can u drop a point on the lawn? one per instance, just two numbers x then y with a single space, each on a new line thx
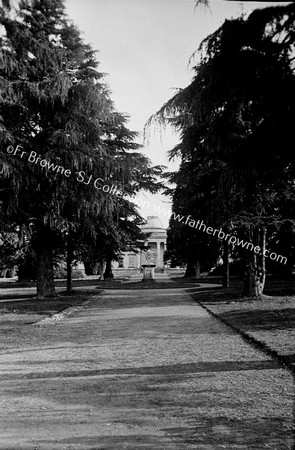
270 321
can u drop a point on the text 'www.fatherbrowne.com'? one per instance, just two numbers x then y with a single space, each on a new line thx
220 234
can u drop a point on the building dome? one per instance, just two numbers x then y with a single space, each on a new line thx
153 223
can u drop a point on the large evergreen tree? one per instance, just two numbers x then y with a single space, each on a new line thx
237 116
55 107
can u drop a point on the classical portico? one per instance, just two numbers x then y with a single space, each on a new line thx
156 239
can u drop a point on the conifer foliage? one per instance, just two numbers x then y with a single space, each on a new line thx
236 126
57 115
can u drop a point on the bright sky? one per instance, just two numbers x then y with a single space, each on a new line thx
144 48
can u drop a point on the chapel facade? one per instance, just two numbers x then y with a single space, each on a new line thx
156 241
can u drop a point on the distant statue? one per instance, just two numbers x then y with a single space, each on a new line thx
148 266
150 257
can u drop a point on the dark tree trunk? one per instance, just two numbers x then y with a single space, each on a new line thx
190 269
255 273
108 274
101 270
91 268
43 247
198 269
69 261
88 268
225 275
250 287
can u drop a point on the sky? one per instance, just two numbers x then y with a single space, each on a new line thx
144 49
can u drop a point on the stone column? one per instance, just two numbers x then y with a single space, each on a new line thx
164 248
138 263
158 254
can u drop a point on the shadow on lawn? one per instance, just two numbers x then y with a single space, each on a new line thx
257 319
47 306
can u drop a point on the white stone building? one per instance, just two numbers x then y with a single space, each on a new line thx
156 239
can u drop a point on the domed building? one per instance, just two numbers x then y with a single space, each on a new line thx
156 239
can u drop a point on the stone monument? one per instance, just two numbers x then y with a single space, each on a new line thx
148 265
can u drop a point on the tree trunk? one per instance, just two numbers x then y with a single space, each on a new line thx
69 261
255 273
108 274
101 269
43 247
262 269
225 275
190 270
198 269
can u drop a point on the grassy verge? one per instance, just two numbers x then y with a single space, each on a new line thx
25 311
269 322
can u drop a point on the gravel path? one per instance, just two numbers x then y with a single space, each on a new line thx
145 369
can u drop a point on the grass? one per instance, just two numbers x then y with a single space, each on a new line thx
25 310
270 321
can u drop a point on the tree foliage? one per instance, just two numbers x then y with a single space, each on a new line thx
236 125
55 106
